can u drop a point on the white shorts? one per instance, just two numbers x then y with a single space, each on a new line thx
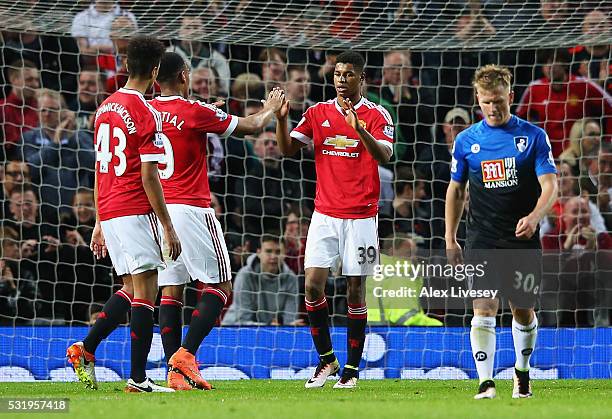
354 242
204 254
134 243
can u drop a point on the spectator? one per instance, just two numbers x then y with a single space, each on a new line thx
92 27
16 177
199 54
594 60
385 201
294 237
596 182
273 67
472 23
90 95
400 248
265 290
204 84
556 103
576 231
585 138
579 259
268 187
39 245
400 88
446 76
247 86
18 109
409 205
56 57
93 277
568 189
115 65
297 91
62 159
18 293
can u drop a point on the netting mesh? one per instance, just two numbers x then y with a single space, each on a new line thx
420 55
375 25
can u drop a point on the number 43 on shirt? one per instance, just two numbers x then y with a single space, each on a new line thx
104 155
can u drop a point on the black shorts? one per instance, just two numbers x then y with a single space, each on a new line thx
512 269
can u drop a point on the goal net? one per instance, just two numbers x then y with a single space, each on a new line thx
60 59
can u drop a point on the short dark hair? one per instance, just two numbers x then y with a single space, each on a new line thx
170 67
143 55
352 57
269 238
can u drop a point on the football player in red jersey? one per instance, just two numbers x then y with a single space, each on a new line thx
351 137
129 200
186 124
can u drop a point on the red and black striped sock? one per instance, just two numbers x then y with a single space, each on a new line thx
204 317
113 313
170 324
357 319
318 315
141 332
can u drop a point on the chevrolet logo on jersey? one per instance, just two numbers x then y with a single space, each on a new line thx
499 173
340 142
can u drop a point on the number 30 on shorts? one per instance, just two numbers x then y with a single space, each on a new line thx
366 255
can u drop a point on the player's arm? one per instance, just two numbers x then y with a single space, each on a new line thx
546 172
456 194
257 122
153 189
453 210
526 227
380 152
97 243
287 145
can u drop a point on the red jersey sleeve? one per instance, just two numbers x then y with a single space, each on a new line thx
303 131
151 147
210 119
383 129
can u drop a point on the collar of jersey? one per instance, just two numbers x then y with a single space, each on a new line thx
356 106
165 98
130 91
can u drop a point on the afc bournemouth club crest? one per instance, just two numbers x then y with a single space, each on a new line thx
520 143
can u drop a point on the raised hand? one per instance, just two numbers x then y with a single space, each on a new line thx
283 112
275 100
350 114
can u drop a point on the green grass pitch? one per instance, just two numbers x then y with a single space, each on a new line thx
575 399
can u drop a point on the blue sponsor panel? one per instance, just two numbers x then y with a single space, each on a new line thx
28 353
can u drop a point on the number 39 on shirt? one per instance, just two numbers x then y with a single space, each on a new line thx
104 155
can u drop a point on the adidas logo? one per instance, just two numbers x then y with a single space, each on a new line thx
325 124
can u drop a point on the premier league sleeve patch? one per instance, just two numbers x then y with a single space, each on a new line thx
389 130
521 143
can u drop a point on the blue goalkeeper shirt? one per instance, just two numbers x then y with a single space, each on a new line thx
502 165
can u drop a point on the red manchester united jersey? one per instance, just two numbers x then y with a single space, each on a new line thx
126 134
348 185
557 111
186 124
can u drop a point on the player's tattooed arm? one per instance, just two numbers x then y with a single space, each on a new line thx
381 153
455 202
257 122
526 226
286 144
153 189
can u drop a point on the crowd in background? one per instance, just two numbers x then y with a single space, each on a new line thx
53 85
